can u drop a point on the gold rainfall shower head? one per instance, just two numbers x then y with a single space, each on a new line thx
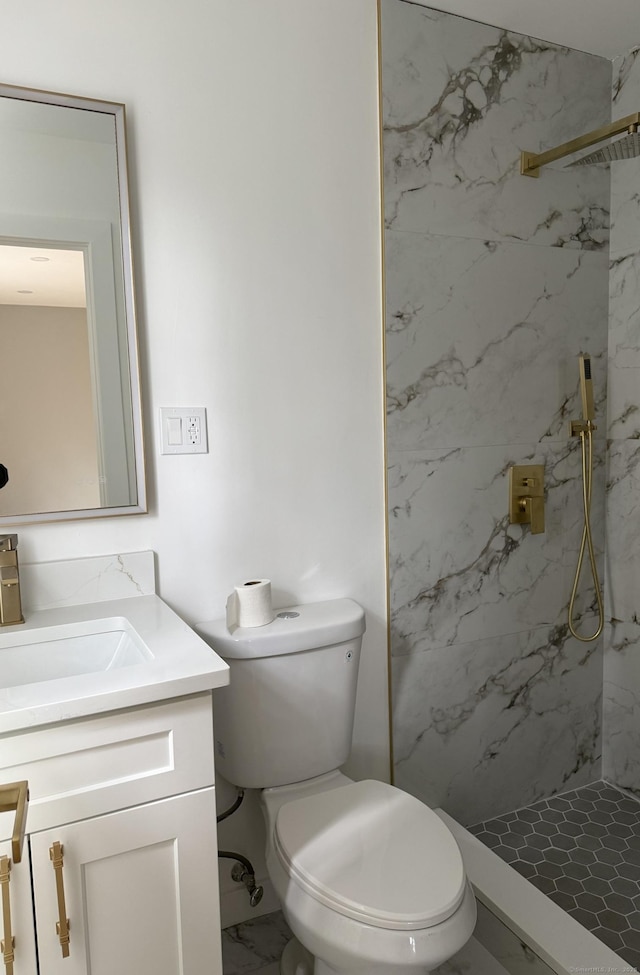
627 148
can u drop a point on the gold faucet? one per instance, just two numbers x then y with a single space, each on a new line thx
10 605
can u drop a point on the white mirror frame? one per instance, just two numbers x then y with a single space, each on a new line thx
96 248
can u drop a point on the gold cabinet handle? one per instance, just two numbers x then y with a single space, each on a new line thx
62 926
15 796
7 943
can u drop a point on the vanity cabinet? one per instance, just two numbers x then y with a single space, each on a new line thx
127 799
137 889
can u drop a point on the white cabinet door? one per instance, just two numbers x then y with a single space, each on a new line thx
141 891
21 910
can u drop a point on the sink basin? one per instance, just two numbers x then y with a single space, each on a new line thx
52 653
71 661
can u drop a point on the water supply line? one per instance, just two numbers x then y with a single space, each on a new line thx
232 808
584 429
242 871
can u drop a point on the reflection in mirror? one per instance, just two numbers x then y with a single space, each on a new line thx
70 421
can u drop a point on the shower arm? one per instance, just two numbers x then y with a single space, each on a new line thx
532 162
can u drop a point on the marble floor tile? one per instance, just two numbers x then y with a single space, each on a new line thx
255 945
247 948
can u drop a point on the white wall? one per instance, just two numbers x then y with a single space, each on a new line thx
255 178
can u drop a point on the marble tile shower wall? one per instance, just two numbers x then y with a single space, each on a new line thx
495 284
622 639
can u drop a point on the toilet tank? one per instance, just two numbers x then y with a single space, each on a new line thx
287 713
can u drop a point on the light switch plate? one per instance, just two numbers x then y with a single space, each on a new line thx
183 429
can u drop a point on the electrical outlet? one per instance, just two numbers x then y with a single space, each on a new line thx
193 430
183 430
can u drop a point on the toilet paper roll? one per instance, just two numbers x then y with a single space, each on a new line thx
250 604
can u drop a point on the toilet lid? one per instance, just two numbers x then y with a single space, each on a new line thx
374 853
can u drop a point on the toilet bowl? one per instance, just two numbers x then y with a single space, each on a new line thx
347 861
370 880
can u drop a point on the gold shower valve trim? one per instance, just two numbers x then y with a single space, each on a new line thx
526 496
532 162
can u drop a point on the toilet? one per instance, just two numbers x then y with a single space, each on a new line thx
370 880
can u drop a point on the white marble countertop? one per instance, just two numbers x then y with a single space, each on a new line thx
175 662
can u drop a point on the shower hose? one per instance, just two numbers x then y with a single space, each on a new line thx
586 442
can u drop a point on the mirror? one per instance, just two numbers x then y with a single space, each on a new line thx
70 417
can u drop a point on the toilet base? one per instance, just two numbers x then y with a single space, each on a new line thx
321 968
296 960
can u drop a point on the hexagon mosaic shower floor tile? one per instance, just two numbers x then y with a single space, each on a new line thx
582 849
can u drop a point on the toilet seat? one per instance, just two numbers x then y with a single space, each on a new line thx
371 852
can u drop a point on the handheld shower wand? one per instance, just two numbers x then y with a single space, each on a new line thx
586 388
584 429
